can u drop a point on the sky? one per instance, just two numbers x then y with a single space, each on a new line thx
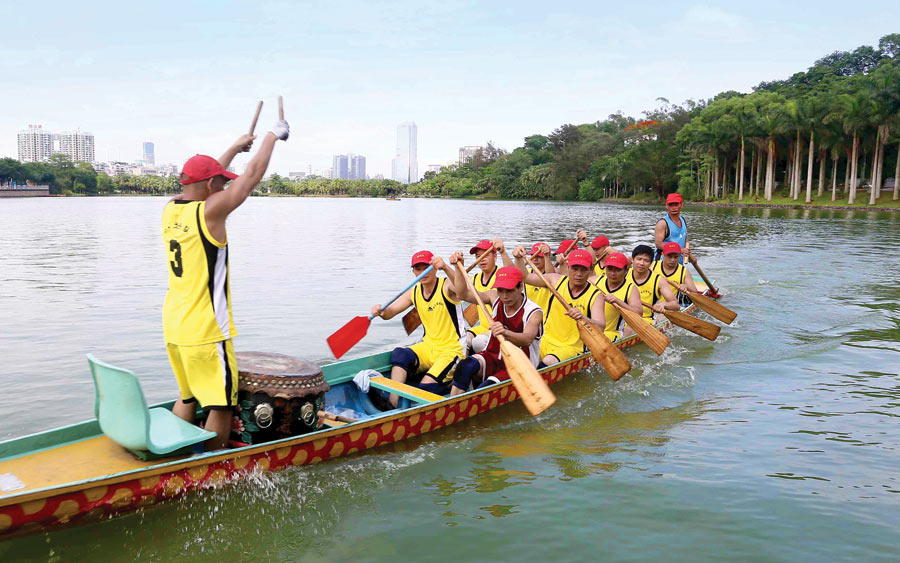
187 75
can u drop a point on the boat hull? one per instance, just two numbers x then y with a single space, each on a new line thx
95 498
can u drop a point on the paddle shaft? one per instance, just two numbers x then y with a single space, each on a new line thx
702 275
256 117
405 289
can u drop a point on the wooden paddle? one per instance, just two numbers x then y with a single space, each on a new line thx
713 292
611 358
256 117
657 341
709 305
705 329
411 320
348 335
534 391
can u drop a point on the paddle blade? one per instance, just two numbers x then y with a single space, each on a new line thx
534 391
714 308
657 341
471 314
411 321
348 335
705 329
611 358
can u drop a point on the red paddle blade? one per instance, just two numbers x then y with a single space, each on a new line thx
348 335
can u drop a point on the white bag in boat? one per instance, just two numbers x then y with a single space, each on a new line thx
362 378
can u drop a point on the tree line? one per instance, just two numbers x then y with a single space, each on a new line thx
827 128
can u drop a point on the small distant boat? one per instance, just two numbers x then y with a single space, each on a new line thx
392 198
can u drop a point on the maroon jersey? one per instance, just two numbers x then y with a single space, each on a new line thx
516 322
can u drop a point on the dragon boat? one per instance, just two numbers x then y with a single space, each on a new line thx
77 474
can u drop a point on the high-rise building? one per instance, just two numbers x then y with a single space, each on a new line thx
149 154
405 166
340 167
357 167
35 144
466 153
77 145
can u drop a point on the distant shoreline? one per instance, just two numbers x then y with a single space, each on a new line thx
687 203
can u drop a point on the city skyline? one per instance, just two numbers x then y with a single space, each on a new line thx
348 83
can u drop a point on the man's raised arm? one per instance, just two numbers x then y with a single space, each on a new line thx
220 204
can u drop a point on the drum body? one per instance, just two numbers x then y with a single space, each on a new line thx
278 396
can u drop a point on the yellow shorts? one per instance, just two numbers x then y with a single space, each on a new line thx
561 351
206 373
438 363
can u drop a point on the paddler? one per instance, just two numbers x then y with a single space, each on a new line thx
516 318
197 322
562 340
600 248
616 288
672 227
673 270
540 253
486 256
656 295
445 339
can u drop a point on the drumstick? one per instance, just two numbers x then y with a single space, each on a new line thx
280 108
256 117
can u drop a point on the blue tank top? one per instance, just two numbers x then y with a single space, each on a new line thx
676 234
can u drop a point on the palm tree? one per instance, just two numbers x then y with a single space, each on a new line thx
810 112
772 121
853 110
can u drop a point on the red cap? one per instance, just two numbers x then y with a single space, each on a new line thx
674 198
422 257
617 260
600 242
579 257
671 248
482 245
201 167
564 246
507 278
536 246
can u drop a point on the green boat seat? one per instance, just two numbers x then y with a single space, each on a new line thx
121 410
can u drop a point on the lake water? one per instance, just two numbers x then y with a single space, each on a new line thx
779 441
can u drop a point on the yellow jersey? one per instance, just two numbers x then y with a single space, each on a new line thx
614 321
677 276
441 317
560 330
649 291
481 284
197 309
540 295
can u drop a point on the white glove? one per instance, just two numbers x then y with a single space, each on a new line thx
281 129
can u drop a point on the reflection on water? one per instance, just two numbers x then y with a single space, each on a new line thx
777 441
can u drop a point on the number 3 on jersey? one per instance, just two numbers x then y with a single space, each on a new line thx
177 267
